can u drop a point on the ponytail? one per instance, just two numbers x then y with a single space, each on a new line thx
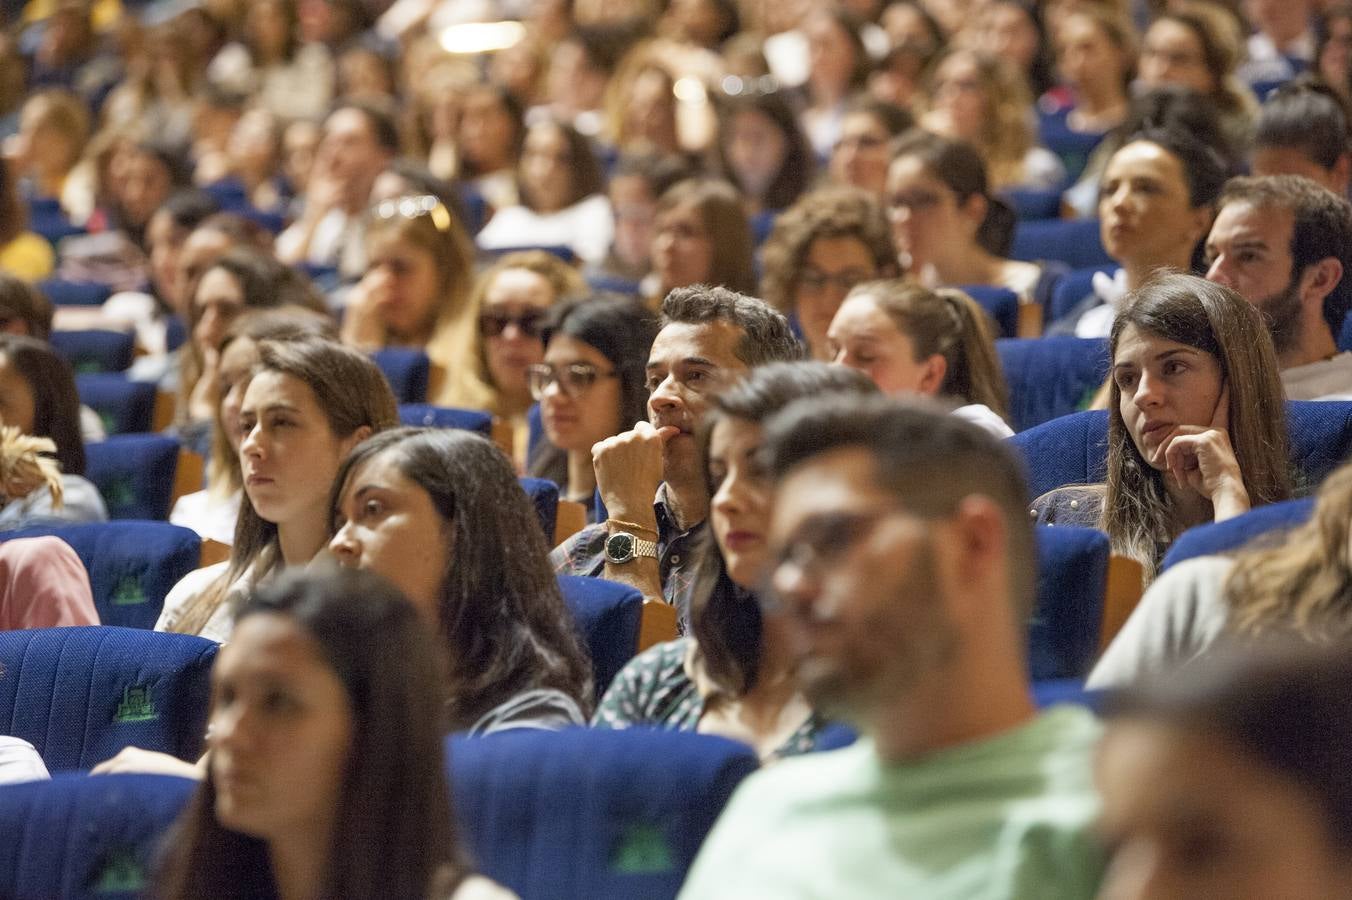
974 372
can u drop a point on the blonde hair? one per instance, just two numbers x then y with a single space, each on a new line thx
1007 137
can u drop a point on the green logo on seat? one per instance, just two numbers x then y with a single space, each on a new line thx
136 705
118 873
128 592
118 494
642 850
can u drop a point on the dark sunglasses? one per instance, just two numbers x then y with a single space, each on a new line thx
531 324
572 379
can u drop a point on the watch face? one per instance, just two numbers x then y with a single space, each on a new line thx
620 547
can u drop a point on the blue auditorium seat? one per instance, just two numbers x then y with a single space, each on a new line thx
1063 634
562 251
1074 242
1073 287
1030 204
1222 537
74 293
96 351
407 372
1001 304
125 406
80 695
585 814
131 565
608 616
48 219
425 415
78 837
535 430
134 473
1051 376
1071 449
544 496
1066 690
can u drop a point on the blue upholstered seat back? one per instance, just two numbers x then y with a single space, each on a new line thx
78 837
96 351
131 565
125 406
1071 449
1222 537
79 695
1074 242
588 814
608 616
1051 376
1063 634
134 473
407 372
544 496
425 415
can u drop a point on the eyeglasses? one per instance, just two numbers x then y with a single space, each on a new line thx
823 545
816 282
530 324
573 379
414 206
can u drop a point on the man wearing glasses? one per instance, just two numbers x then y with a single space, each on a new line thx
903 562
650 478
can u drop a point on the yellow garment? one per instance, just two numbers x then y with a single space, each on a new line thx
103 13
28 256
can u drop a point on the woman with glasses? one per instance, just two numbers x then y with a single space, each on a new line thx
589 387
825 244
948 230
732 675
512 299
416 290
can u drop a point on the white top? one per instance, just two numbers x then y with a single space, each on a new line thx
983 415
20 762
587 227
1098 322
181 595
339 240
212 518
1328 379
1182 614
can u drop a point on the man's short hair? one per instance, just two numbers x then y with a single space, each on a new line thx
1307 117
380 116
766 336
1323 228
930 459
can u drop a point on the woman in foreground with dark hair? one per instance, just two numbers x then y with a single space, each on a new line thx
325 775
441 514
1232 780
733 675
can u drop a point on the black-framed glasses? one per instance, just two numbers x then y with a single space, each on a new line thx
811 279
413 206
493 324
573 379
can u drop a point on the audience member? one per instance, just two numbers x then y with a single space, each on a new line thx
838 66
38 398
1224 781
306 405
701 236
1303 129
1155 205
43 583
288 77
948 229
636 184
733 675
1296 586
563 199
903 561
1282 44
650 477
53 131
824 245
440 513
590 386
488 138
1285 244
22 253
860 155
1196 425
24 309
324 721
910 340
763 152
1096 58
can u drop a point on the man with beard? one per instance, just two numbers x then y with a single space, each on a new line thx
902 561
1285 244
650 478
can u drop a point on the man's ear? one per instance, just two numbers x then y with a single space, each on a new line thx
978 540
1319 279
974 209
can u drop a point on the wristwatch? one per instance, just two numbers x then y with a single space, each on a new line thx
623 547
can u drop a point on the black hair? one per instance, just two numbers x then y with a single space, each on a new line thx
1307 116
766 336
56 404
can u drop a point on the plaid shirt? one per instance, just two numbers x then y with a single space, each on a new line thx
681 558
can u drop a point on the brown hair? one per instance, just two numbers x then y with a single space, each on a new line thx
1137 514
439 233
60 109
1005 141
950 324
720 209
826 213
